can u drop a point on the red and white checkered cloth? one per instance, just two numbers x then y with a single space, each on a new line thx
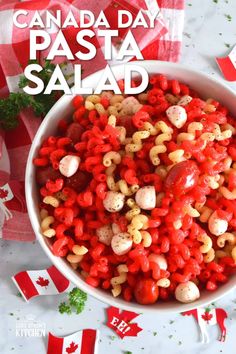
163 43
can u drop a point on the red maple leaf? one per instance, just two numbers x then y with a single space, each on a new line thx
207 316
42 282
120 322
3 193
72 348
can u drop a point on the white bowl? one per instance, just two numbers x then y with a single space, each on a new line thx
208 87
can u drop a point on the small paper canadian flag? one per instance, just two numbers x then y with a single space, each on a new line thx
33 283
228 65
81 342
209 317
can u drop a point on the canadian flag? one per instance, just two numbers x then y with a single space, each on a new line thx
209 317
228 65
33 283
81 342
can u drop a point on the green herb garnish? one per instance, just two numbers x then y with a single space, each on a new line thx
64 308
11 106
76 302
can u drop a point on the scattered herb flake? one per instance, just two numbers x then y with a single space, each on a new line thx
19 294
220 33
227 45
11 314
179 342
128 352
190 5
215 1
229 17
170 336
154 333
171 322
112 337
188 35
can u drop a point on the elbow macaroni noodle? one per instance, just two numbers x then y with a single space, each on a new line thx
51 201
111 157
160 139
139 222
137 141
207 243
226 237
45 226
120 279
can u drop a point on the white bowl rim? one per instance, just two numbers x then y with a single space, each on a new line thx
68 271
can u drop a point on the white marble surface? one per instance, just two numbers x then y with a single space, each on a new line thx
207 34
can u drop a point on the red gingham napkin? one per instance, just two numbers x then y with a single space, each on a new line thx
163 42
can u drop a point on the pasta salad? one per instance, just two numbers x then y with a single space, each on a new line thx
138 193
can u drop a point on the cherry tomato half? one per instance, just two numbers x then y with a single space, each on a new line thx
74 132
78 181
43 174
182 177
146 291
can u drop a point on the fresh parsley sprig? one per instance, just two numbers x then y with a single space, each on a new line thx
76 302
11 106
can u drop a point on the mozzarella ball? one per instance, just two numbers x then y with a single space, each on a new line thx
69 165
121 243
177 116
216 225
146 198
158 259
130 105
114 201
187 292
185 100
105 234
